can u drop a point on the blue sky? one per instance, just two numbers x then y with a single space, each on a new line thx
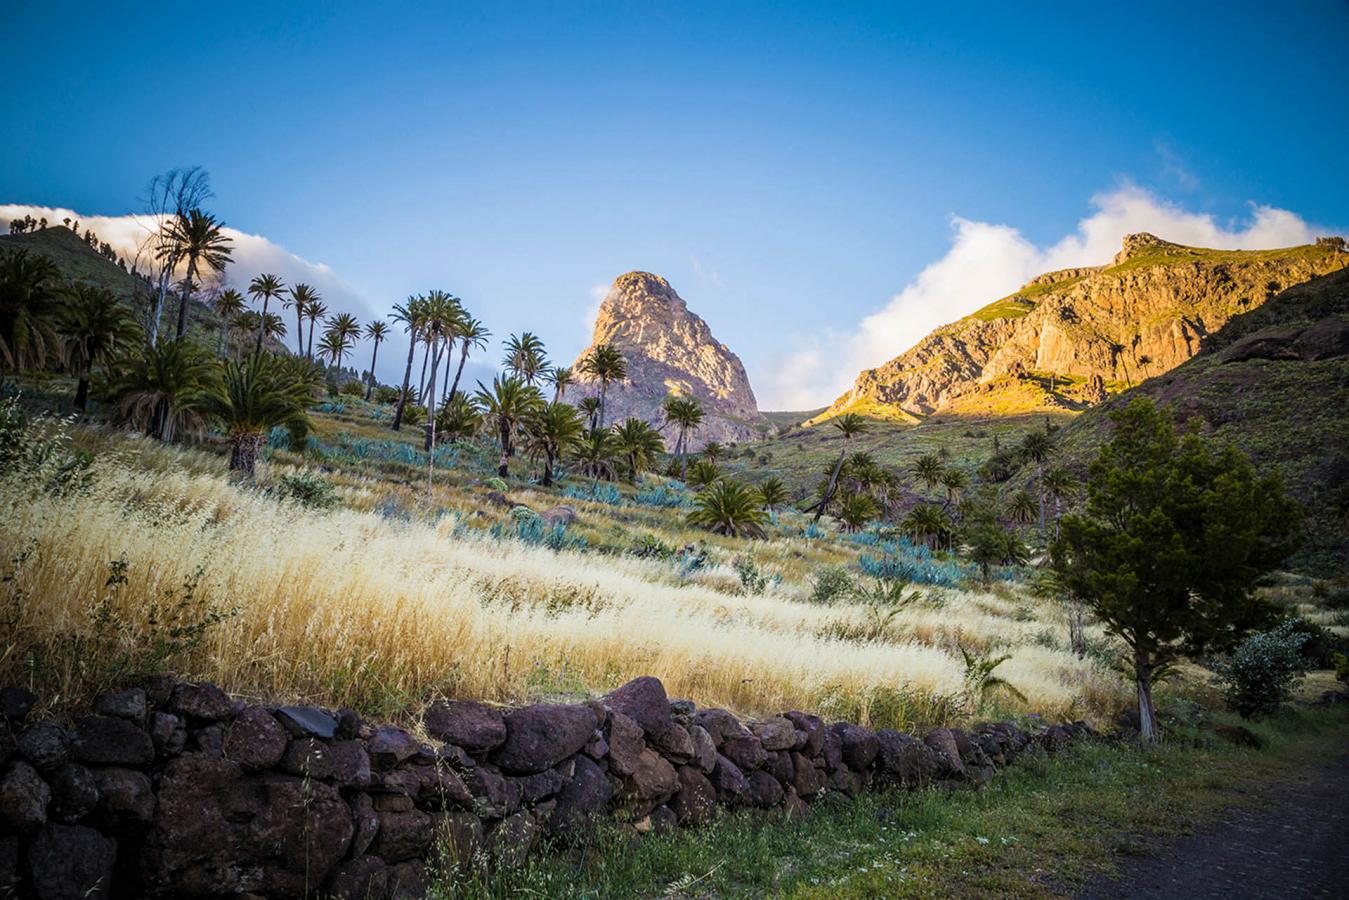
792 169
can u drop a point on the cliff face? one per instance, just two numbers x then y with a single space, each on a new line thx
1068 337
670 350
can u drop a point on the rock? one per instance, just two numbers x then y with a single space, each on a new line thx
408 880
663 820
16 703
720 725
364 823
729 781
1326 339
583 797
105 741
859 745
310 721
780 766
403 835
696 800
943 742
674 743
651 779
745 751
534 788
764 790
389 747
71 861
905 758
476 727
806 778
9 866
350 763
669 349
348 725
125 797
432 786
626 743
643 700
683 712
307 758
512 839
362 878
494 797
24 798
209 740
496 498
464 839
168 734
704 751
539 737
832 750
128 704
8 743
74 793
777 733
201 701
255 740
1055 738
846 781
558 515
45 744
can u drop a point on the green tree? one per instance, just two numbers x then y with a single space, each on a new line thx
94 325
929 470
300 297
772 493
198 239
686 414
458 419
590 408
606 365
1021 508
560 378
376 332
1172 540
161 388
1059 483
31 289
315 311
595 451
525 357
552 432
268 288
1035 448
342 331
508 405
639 444
472 334
713 451
255 395
702 473
955 482
928 524
856 510
989 544
730 508
412 314
228 305
851 425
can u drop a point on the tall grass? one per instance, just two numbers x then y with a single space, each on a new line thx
353 608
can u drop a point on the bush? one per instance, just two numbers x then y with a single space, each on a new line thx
352 389
414 415
1341 667
1263 670
830 583
385 394
752 580
307 489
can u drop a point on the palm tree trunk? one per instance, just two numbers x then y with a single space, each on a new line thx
187 292
370 388
503 468
262 323
1040 478
407 381
244 449
431 410
604 390
299 331
683 454
309 352
833 484
82 390
547 466
463 358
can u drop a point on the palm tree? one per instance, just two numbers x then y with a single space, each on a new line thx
94 325
229 304
161 388
442 310
198 238
702 473
458 419
300 297
472 333
856 510
928 524
267 287
553 431
850 424
606 365
590 408
315 311
376 331
30 293
595 451
508 404
713 451
928 468
525 357
338 338
772 492
1059 483
411 314
639 443
954 481
1036 447
272 326
256 395
1021 508
686 414
730 508
560 378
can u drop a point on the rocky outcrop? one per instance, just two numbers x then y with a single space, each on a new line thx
290 802
670 350
1054 342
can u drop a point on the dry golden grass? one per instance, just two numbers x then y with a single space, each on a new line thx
348 607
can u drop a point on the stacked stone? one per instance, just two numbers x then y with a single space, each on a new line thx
175 789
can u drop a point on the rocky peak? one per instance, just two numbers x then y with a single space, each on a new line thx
1140 244
670 349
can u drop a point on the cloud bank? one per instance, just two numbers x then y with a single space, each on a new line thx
988 261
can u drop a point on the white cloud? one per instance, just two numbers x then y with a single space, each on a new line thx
598 292
988 261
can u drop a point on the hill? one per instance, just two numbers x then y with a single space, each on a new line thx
1068 339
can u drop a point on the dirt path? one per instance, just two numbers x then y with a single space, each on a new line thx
1298 847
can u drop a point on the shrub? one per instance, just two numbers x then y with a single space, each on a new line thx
830 583
352 389
1263 670
730 508
307 489
648 546
385 394
414 415
1341 667
752 579
665 496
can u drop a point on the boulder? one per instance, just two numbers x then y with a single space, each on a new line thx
704 751
8 742
432 786
9 865
777 733
364 825
403 835
74 793
129 704
70 861
696 800
209 739
720 725
349 725
541 736
541 786
859 745
730 782
583 797
812 728
905 758
463 838
255 740
651 779
201 701
511 840
764 790
943 742
476 727
832 749
780 766
362 878
44 744
309 721
126 798
408 880
307 758
1326 339
350 763
24 798
494 797
390 746
806 778
558 515
16 703
107 741
643 700
168 734
626 742
674 743
745 751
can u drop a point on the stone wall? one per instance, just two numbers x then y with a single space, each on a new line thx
175 789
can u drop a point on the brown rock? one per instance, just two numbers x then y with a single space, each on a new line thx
745 751
255 740
777 733
105 741
125 797
539 737
69 861
643 700
476 727
403 835
202 701
704 751
697 798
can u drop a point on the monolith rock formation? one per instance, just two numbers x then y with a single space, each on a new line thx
669 350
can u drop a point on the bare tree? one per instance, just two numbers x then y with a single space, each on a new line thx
167 198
